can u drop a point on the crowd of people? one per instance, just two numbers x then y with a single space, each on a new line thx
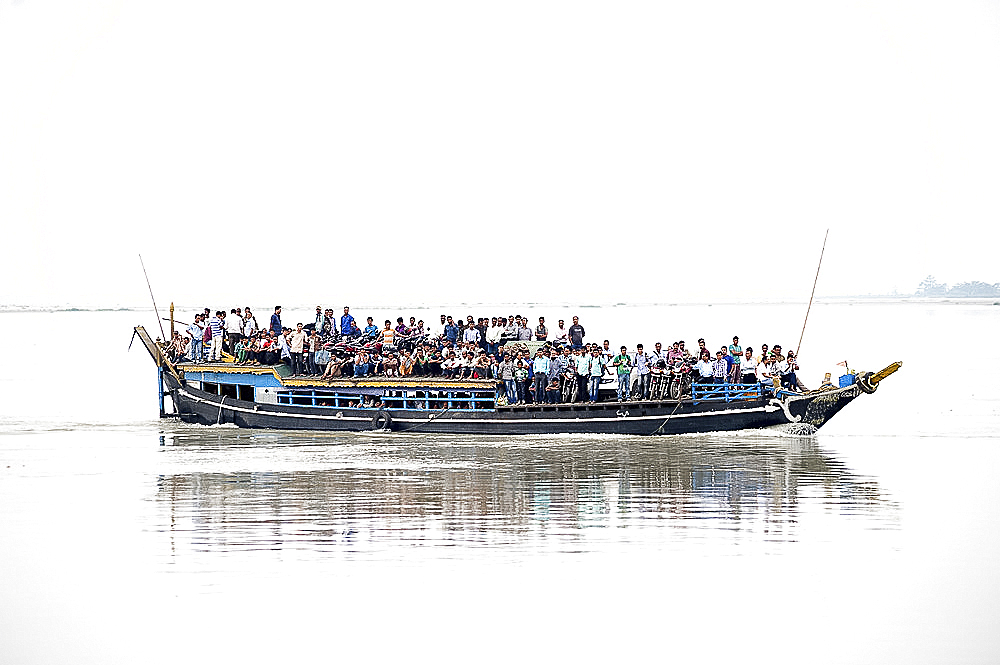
564 368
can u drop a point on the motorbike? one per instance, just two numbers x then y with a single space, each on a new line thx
680 379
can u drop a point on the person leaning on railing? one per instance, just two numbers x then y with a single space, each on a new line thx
705 368
748 367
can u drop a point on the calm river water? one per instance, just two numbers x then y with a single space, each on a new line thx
124 538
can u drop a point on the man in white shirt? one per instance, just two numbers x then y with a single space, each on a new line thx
296 347
234 328
196 332
704 367
493 335
764 374
748 368
249 323
659 353
561 335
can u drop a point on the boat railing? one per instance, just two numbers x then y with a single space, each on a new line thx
419 400
727 392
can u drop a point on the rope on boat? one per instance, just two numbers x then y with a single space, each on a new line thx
429 420
219 419
659 430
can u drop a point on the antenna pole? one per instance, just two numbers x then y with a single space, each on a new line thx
163 335
798 349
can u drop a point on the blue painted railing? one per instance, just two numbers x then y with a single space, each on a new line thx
396 400
726 392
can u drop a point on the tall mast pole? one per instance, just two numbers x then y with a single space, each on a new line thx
163 335
798 349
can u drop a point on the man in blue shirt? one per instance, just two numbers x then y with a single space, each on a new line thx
451 331
276 320
371 330
348 328
540 369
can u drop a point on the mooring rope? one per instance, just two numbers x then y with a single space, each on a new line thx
431 419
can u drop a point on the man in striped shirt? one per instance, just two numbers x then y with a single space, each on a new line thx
218 326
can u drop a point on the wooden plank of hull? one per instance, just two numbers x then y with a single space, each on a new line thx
607 418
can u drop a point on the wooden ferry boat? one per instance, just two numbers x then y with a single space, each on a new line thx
268 397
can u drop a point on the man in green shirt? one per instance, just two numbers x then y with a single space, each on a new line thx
624 364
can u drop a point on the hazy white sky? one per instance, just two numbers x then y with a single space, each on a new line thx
437 152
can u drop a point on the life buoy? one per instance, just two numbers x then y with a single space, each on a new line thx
382 420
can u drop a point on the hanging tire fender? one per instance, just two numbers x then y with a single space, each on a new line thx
382 420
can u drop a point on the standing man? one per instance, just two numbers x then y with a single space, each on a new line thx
576 334
562 335
249 323
523 331
471 335
556 366
624 365
435 330
659 354
371 330
276 320
195 331
606 352
582 359
234 328
720 368
493 335
736 351
540 370
217 324
642 365
348 328
748 367
297 345
704 367
451 331
541 332
597 368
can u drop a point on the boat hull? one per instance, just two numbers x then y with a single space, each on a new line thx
633 418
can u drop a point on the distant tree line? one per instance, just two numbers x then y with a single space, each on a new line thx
931 287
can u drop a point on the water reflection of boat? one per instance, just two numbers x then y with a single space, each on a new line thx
439 489
266 397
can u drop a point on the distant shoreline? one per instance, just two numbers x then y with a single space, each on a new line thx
827 300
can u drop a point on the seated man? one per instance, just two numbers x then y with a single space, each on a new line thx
333 369
552 391
391 365
788 378
764 371
407 364
449 366
361 364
